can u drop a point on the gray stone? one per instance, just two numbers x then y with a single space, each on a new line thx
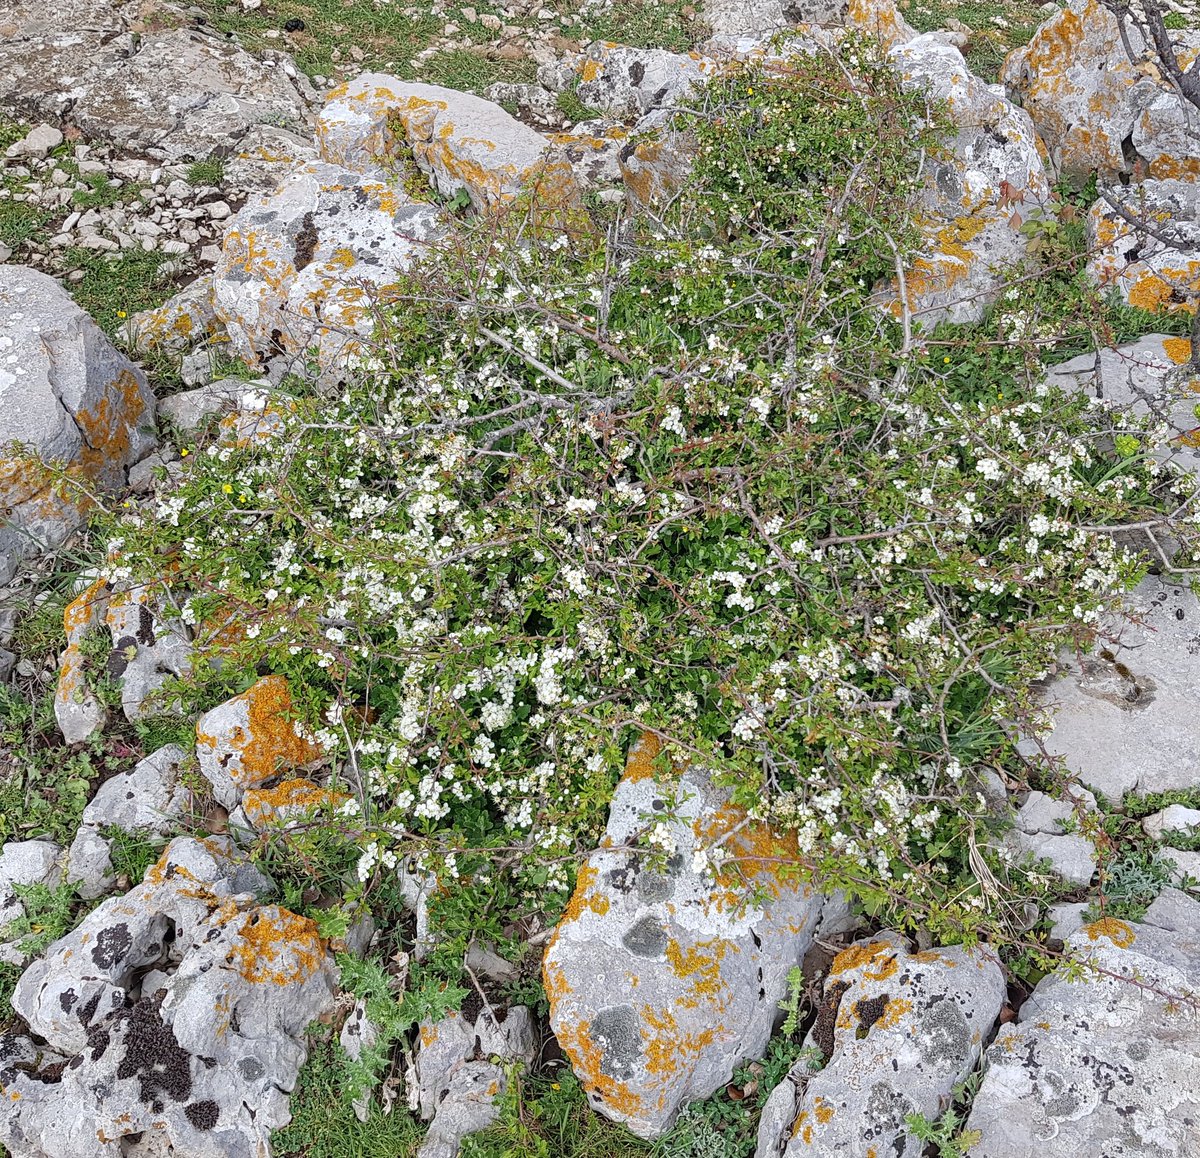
89 864
66 396
189 409
196 368
662 980
1157 268
900 1030
149 798
1106 1063
303 266
470 1105
460 141
206 1056
178 324
148 649
144 476
1124 717
1090 101
24 862
173 94
1187 867
627 83
1145 379
1174 818
251 739
1042 813
966 207
1071 857
1066 918
37 142
456 1079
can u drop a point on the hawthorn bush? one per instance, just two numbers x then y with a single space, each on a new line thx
677 471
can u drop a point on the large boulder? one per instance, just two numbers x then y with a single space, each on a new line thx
974 195
666 972
460 141
69 404
307 264
1095 108
1105 1060
182 1007
146 79
897 1031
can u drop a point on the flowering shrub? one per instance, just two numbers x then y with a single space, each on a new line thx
675 473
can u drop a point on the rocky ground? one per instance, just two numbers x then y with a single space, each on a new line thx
202 210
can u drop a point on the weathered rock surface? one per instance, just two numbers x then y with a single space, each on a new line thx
661 980
306 264
1146 378
148 649
627 83
148 800
458 140
1175 818
1124 717
898 1030
178 324
1155 268
1108 1064
79 714
23 862
200 1057
250 739
164 89
458 1075
1043 830
974 195
68 397
1094 108
190 409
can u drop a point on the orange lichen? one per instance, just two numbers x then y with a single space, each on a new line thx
1179 350
858 955
277 946
893 1011
268 743
823 1111
264 804
1118 932
639 765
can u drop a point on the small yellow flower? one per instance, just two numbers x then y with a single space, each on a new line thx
243 498
946 359
555 1086
184 452
227 488
122 314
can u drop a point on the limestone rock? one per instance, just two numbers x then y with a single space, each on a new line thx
251 739
991 171
178 324
627 83
1147 271
456 1079
460 141
79 714
1146 378
898 1031
304 265
205 1057
69 398
658 162
1124 717
174 94
148 649
1106 1063
1041 832
23 862
189 409
662 980
89 864
1172 819
1065 919
1088 99
291 802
